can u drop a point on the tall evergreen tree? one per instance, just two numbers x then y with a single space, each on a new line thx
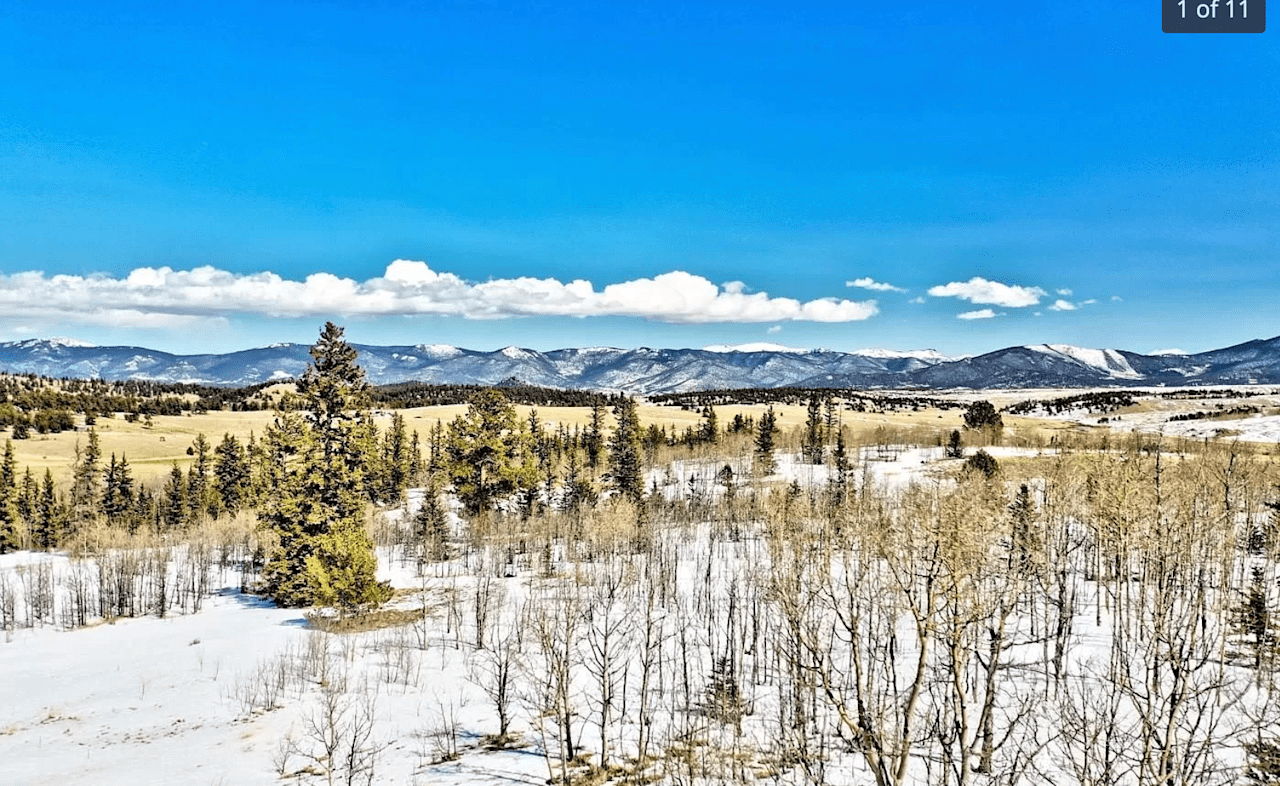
117 494
624 451
814 440
710 431
10 539
315 470
593 440
231 474
397 465
176 509
202 497
48 532
489 452
764 443
86 484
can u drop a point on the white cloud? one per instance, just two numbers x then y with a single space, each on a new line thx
980 290
1064 292
870 283
163 297
774 329
1089 302
918 299
1062 305
1116 299
982 313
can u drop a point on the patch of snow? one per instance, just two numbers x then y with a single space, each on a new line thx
758 346
439 350
1108 361
919 354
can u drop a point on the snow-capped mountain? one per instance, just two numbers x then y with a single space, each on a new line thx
647 370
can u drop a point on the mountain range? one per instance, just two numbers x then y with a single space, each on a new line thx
648 371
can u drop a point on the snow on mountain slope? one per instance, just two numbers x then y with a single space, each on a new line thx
1109 361
758 346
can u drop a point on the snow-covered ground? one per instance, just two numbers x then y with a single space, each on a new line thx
236 693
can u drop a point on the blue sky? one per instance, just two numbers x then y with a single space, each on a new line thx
214 176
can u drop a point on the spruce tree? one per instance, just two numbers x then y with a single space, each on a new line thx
764 443
814 437
86 489
176 510
231 474
10 539
624 451
48 532
315 473
489 452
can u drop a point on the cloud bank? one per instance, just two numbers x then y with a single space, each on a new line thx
163 297
982 313
980 290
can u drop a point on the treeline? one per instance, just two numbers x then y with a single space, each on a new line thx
36 512
405 395
1218 414
853 401
1103 401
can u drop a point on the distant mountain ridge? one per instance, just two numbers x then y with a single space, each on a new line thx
646 370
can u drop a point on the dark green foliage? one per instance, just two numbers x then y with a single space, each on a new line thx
710 429
624 451
982 462
231 474
49 516
202 494
982 415
1252 617
86 489
117 494
9 521
396 465
1026 538
314 471
489 452
175 510
955 446
431 529
578 491
814 441
724 702
764 443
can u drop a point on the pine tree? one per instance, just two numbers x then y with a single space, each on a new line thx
397 465
593 440
316 473
10 539
86 490
955 447
489 452
48 532
202 495
710 432
28 502
176 510
231 474
764 443
117 495
624 451
814 440
431 529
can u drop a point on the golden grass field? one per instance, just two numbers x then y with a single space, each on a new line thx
153 450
